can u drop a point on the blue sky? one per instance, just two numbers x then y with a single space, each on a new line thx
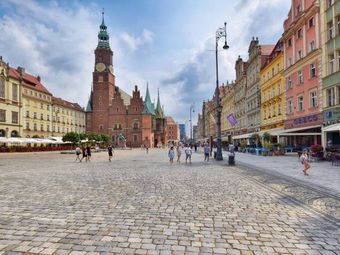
169 43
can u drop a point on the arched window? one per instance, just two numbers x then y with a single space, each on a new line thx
135 125
14 133
2 133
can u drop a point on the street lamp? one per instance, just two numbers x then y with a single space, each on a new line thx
192 110
220 33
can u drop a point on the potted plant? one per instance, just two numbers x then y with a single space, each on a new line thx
268 148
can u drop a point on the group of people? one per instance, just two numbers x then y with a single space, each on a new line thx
179 149
85 152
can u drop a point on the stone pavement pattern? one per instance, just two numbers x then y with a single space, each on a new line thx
139 204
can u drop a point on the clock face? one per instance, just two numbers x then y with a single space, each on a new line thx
100 67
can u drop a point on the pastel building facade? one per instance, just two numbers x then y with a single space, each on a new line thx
330 34
272 91
302 74
227 102
10 102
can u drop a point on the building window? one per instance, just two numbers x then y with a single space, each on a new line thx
312 70
48 117
300 103
279 88
42 116
41 106
298 9
35 115
330 27
14 117
278 68
299 54
14 92
2 115
279 109
313 99
329 3
35 126
330 93
338 18
48 128
135 138
300 77
290 62
42 127
311 22
299 33
331 62
2 87
27 125
27 114
117 109
289 42
312 46
135 125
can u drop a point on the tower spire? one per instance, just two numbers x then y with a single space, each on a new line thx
148 106
103 36
159 110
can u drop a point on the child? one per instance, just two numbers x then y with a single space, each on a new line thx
84 154
304 162
78 152
188 153
171 154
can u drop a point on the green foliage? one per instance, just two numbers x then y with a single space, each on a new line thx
72 137
35 136
266 137
243 145
104 137
255 136
267 145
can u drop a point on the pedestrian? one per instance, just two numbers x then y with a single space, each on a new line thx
188 153
147 149
84 154
171 154
88 150
195 146
179 152
206 152
78 152
110 151
304 162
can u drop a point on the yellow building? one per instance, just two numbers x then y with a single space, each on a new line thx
272 91
227 102
36 104
67 117
10 103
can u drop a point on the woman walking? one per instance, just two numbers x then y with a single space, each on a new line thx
179 152
304 162
88 150
84 155
109 150
206 152
188 153
171 154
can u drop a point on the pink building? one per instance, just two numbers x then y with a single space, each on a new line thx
302 74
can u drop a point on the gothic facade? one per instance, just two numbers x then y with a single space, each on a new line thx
126 119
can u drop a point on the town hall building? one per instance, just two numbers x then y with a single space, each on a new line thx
126 119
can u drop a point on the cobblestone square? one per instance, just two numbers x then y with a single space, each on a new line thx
140 204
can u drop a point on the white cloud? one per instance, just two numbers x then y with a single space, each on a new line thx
133 42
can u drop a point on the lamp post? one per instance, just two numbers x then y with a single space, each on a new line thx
220 33
192 110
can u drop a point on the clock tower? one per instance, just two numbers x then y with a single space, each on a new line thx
103 81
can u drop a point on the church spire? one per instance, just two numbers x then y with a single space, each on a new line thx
159 111
103 36
148 105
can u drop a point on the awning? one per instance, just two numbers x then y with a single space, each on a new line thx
272 132
332 128
290 132
244 136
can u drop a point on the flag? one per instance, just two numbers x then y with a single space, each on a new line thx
232 120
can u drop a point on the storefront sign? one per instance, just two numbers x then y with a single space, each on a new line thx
332 114
304 121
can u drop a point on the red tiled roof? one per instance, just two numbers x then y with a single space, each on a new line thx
29 80
66 104
267 49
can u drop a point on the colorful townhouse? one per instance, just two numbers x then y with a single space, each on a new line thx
330 34
10 103
227 102
272 92
302 74
257 55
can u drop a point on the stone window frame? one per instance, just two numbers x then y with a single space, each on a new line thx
2 87
313 98
15 92
300 103
15 117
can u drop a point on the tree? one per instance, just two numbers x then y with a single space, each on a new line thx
266 137
256 137
72 137
104 138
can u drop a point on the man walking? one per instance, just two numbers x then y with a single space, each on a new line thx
188 153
